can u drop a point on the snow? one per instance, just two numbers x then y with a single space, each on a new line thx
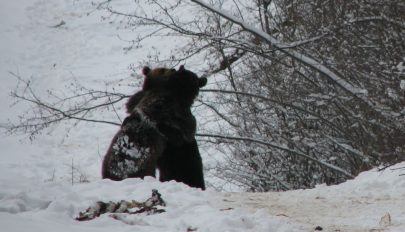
54 206
122 144
44 184
357 205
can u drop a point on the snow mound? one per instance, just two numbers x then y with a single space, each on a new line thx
373 201
22 202
54 206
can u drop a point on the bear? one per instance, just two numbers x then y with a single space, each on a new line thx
154 80
173 114
138 144
181 160
162 107
182 163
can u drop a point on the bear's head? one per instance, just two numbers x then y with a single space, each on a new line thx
156 81
181 84
186 83
156 78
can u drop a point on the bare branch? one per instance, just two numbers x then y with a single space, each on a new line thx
280 147
355 91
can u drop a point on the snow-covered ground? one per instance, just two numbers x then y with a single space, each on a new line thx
356 205
36 193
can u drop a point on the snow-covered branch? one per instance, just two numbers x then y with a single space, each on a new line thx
277 102
282 46
280 147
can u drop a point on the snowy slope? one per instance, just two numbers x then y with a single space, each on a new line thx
356 205
53 207
85 49
36 193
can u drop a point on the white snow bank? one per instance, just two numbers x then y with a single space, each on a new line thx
356 205
53 207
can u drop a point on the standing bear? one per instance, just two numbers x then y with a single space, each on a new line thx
160 131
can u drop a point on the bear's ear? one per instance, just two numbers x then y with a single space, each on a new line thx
181 69
146 70
202 82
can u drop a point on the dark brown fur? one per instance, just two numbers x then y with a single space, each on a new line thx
165 99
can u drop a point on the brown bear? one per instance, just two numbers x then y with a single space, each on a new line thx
163 105
172 104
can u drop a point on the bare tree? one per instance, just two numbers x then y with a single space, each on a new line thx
306 92
75 104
